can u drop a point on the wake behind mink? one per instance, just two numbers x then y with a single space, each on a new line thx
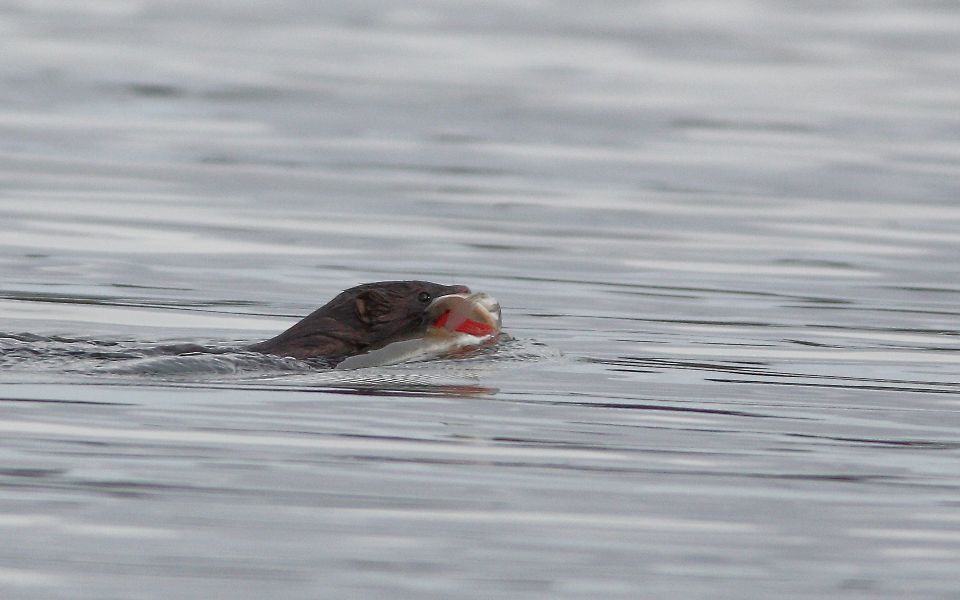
362 318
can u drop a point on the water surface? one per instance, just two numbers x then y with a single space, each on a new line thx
724 236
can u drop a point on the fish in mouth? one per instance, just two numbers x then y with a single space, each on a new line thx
474 314
456 323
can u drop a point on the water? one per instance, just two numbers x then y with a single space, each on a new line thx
724 236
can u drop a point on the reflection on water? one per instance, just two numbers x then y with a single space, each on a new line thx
723 234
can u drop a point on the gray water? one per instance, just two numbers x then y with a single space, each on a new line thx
723 233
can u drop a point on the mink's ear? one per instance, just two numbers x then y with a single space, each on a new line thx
372 306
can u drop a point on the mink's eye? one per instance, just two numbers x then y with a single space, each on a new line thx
424 297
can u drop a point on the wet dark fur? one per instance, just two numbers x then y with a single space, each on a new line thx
359 319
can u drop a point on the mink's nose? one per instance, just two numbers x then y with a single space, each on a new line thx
459 289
